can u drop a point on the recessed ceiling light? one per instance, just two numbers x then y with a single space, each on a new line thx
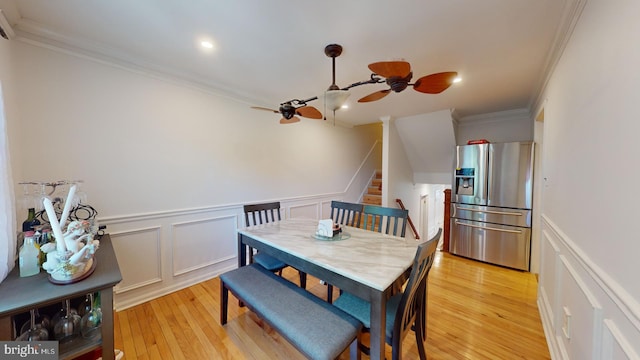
457 79
206 44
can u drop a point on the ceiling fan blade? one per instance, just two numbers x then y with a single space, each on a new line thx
266 109
389 69
435 83
309 112
375 96
294 119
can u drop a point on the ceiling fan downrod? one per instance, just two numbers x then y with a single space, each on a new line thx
333 51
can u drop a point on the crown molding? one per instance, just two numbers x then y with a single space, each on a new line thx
34 34
516 114
6 31
571 14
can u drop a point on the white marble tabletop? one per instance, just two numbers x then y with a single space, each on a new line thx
368 257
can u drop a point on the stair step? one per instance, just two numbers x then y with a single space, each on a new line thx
374 190
378 175
372 199
376 182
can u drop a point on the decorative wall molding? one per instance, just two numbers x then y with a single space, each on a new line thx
570 283
35 34
122 240
523 114
188 245
626 302
307 210
614 343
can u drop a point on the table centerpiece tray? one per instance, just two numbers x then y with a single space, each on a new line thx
340 236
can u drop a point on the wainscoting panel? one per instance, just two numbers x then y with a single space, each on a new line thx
160 253
200 243
585 314
579 332
615 345
548 275
305 211
325 209
131 247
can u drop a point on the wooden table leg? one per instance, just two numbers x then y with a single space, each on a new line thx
378 325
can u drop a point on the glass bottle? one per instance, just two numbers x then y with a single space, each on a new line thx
31 221
28 257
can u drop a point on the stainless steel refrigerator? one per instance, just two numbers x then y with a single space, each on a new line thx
491 201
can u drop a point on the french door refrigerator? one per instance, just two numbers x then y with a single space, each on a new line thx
491 201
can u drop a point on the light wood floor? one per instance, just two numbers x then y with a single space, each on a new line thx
475 311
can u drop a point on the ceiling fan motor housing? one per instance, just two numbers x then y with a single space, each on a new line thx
397 83
287 111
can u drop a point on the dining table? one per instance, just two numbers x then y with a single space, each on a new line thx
365 263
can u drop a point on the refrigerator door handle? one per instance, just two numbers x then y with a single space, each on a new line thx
489 228
490 211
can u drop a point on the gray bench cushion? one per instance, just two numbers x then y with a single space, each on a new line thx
316 328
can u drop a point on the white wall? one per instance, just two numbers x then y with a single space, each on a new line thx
167 164
397 175
166 145
504 126
7 77
590 242
428 141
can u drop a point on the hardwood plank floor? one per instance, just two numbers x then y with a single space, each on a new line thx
475 311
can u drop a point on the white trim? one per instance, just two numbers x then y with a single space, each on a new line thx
159 278
6 27
494 117
625 302
611 333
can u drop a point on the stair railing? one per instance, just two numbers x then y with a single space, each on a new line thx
413 228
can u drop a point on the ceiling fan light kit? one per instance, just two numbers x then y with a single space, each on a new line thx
334 99
396 74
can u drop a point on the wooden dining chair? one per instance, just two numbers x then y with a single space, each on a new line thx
348 214
377 218
404 309
257 214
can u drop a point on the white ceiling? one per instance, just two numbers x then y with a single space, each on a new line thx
268 52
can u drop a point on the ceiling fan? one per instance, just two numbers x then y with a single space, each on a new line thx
334 96
398 75
291 108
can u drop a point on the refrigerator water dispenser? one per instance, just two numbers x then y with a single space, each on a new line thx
465 181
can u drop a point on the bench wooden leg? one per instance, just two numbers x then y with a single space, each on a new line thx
303 279
224 296
329 293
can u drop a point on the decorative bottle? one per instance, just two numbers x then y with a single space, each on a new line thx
31 221
29 256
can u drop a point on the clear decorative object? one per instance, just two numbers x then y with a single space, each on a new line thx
91 323
68 327
35 332
86 305
39 320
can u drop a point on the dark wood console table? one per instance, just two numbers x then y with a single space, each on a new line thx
19 295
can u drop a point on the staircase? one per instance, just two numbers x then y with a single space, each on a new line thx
374 197
374 192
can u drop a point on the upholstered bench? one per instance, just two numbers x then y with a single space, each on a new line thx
316 328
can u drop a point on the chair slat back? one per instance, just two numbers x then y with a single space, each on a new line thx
377 218
345 213
413 302
257 214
